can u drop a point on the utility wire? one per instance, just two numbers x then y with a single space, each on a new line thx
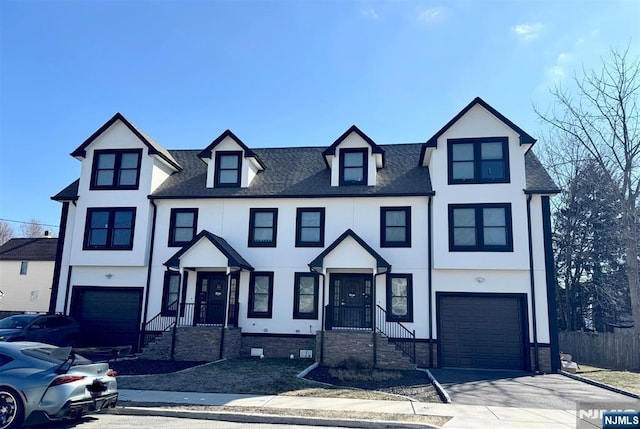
20 221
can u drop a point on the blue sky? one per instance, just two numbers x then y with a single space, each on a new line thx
277 73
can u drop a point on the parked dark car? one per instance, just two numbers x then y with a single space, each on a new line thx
43 328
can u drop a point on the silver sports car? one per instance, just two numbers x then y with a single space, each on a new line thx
40 383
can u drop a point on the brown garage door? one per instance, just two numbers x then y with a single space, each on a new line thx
108 316
481 331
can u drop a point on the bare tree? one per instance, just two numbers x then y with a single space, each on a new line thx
32 229
603 119
6 232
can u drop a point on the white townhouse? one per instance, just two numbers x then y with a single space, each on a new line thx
435 253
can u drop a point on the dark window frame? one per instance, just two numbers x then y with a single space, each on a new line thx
165 311
365 166
252 285
300 226
172 242
477 160
297 314
384 242
479 228
110 228
409 316
252 228
117 168
24 266
217 182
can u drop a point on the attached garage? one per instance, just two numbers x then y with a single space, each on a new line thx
482 330
109 316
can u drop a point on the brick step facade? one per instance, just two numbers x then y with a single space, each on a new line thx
335 347
202 343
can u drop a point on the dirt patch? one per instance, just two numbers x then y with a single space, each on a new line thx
412 384
145 367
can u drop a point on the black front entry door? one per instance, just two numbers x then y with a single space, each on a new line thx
351 299
211 296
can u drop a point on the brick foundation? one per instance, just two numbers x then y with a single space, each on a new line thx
277 346
544 358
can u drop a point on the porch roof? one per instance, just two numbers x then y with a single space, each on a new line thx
381 264
233 257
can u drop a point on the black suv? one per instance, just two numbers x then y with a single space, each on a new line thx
43 328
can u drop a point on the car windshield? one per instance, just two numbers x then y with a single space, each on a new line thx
15 322
54 354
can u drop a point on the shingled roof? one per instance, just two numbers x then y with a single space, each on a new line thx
538 180
29 249
302 172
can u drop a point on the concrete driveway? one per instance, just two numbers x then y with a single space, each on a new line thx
520 389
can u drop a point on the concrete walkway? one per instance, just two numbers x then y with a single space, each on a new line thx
464 416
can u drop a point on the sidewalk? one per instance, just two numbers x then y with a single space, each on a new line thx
464 416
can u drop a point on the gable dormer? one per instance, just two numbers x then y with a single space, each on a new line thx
478 146
230 163
119 156
354 159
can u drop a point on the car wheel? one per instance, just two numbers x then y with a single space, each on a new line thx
11 409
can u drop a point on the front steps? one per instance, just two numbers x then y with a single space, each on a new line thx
335 347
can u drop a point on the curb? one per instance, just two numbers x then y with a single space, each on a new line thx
443 393
265 418
598 384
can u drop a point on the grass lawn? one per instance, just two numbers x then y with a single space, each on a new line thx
266 377
247 376
625 380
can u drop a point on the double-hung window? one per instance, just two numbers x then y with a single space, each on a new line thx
109 228
353 166
310 227
263 227
228 168
305 296
182 226
480 227
395 226
116 169
399 298
480 160
260 295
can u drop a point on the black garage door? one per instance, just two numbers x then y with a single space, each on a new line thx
108 316
482 330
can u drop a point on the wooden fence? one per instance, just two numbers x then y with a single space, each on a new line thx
607 350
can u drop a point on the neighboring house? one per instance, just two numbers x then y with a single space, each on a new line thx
355 249
26 274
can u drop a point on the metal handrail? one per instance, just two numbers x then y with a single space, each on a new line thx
165 320
403 338
160 323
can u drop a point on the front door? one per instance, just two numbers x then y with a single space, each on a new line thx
211 296
351 298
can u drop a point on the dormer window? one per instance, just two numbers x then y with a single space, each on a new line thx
116 169
353 166
228 168
481 160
